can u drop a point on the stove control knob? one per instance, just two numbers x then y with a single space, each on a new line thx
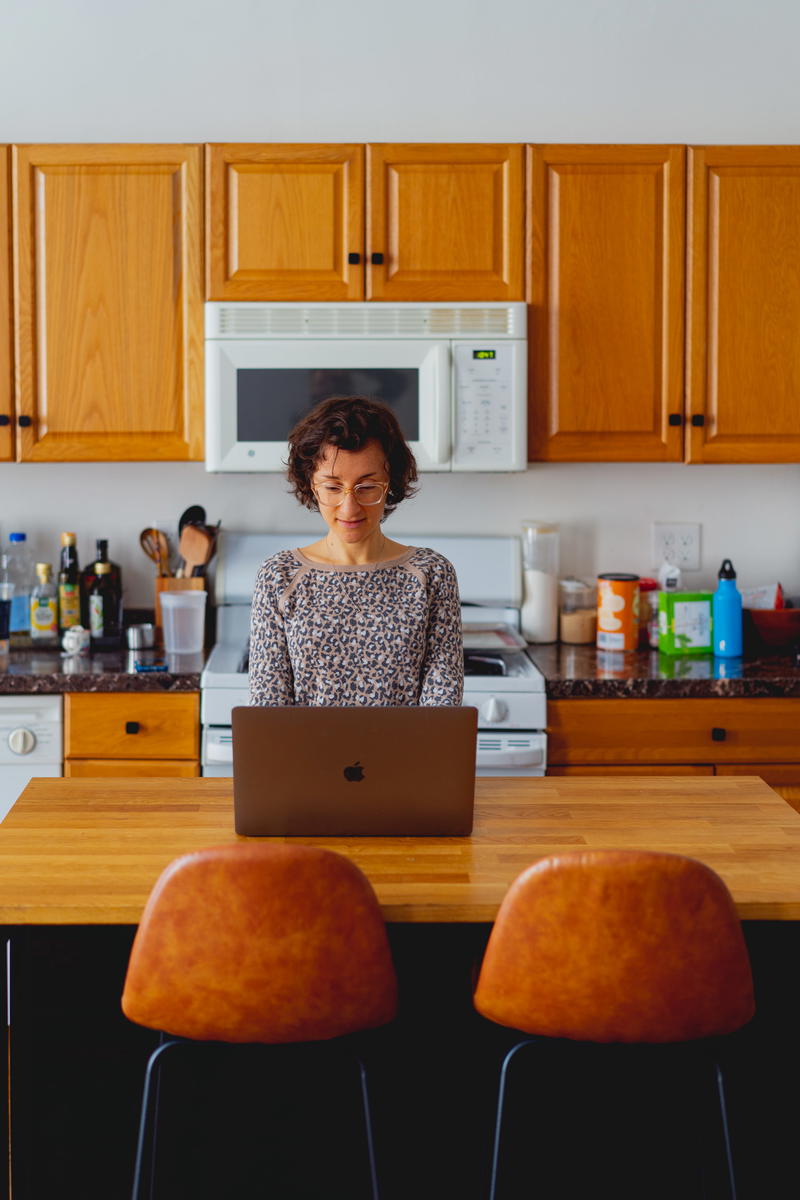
21 741
494 710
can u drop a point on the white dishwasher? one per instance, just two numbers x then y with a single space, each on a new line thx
31 743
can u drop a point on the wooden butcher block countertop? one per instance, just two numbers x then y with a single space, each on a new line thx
87 851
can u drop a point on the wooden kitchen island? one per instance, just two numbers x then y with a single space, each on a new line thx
78 858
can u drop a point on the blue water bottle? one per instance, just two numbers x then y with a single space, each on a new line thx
727 614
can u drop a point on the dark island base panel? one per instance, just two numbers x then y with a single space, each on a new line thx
78 1067
574 672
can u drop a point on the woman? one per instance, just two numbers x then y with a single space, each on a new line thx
355 618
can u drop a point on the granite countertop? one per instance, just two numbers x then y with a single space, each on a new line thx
27 672
574 672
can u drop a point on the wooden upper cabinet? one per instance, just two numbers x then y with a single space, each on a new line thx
284 222
448 221
744 303
6 329
606 289
108 302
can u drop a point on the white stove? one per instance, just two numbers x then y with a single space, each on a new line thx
500 680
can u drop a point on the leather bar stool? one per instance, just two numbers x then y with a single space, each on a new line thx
260 943
615 946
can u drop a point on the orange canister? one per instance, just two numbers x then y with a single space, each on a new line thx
617 611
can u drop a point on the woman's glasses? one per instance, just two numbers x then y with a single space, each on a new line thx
333 494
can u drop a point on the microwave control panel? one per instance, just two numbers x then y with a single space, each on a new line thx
489 414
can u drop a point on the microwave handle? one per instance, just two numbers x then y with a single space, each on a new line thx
443 415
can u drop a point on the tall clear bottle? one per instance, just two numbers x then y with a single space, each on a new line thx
6 596
44 608
23 578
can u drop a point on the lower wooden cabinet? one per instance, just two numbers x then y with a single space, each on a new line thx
758 736
131 733
83 768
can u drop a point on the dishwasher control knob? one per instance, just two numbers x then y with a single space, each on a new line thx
494 710
21 741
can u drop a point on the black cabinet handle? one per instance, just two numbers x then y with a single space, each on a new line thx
698 419
354 259
718 735
4 420
132 726
377 260
675 419
24 422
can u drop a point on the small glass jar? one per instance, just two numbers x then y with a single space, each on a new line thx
577 612
648 614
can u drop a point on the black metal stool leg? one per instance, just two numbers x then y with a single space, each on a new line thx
148 1124
498 1128
726 1137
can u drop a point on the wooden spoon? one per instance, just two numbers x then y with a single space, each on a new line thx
154 544
194 547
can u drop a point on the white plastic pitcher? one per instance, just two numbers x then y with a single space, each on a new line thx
183 616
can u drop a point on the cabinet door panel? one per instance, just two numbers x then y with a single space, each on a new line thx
282 221
126 768
672 731
744 303
109 318
125 725
6 330
634 769
606 286
448 220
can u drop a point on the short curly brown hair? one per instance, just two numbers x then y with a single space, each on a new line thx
349 422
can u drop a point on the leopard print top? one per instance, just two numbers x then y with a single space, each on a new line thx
386 633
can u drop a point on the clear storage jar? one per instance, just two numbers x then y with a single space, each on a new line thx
539 613
577 612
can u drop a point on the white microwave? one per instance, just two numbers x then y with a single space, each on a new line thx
454 374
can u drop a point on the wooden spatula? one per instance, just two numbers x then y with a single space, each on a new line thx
194 546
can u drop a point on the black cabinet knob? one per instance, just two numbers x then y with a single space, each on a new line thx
377 260
698 419
132 726
24 422
675 419
718 735
4 420
354 259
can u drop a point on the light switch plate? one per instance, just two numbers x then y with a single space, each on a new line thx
676 543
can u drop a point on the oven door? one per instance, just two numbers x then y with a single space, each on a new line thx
257 390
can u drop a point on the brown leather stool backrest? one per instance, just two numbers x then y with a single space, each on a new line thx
617 946
261 943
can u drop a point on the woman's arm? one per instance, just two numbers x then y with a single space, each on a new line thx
442 678
270 668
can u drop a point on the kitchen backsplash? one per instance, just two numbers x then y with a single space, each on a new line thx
604 511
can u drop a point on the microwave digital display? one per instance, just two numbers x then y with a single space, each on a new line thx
271 400
484 354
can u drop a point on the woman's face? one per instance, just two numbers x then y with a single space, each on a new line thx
350 521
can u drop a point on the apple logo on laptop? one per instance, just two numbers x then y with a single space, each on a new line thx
355 773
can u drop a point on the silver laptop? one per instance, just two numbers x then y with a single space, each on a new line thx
338 772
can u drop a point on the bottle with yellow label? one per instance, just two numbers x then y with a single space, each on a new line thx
69 589
44 608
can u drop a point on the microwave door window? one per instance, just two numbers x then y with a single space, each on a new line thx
271 400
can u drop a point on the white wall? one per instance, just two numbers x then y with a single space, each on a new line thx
432 70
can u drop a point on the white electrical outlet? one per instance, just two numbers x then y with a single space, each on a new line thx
677 544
